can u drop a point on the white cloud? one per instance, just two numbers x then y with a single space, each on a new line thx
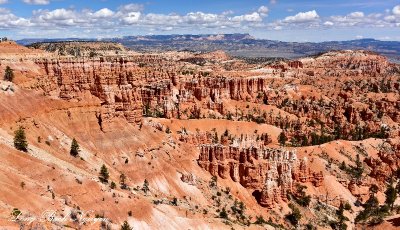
3 1
254 17
9 20
57 14
131 8
396 10
104 13
131 18
110 21
390 18
263 10
356 14
200 17
273 1
302 17
37 2
361 20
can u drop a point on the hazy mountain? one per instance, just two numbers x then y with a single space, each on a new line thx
242 45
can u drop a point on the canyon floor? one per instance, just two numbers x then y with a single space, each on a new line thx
195 140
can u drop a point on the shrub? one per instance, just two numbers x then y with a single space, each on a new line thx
223 214
260 220
174 201
16 213
347 206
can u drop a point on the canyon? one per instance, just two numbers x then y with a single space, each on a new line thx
221 142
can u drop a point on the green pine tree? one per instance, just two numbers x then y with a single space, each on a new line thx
74 148
8 74
20 142
145 187
125 226
104 174
282 138
122 181
391 196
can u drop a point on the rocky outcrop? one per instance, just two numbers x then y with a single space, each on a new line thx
134 86
386 165
269 172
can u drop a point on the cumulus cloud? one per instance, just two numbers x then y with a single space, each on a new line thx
396 10
132 16
9 20
361 20
133 7
356 14
37 2
103 13
57 15
302 17
263 10
254 17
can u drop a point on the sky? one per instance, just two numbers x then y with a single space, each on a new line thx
285 20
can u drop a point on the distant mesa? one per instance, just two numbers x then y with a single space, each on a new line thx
80 48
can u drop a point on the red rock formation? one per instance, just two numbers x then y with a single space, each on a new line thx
270 172
387 163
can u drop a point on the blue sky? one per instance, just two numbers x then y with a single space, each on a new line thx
287 20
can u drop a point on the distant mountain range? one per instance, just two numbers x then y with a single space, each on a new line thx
241 45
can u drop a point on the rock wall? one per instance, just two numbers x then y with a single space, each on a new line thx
269 173
153 85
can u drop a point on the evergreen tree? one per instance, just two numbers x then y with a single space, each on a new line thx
113 185
260 220
391 196
314 139
372 203
145 187
295 216
343 166
342 218
104 174
373 189
8 74
215 140
74 148
359 169
122 181
304 142
282 138
20 142
125 226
